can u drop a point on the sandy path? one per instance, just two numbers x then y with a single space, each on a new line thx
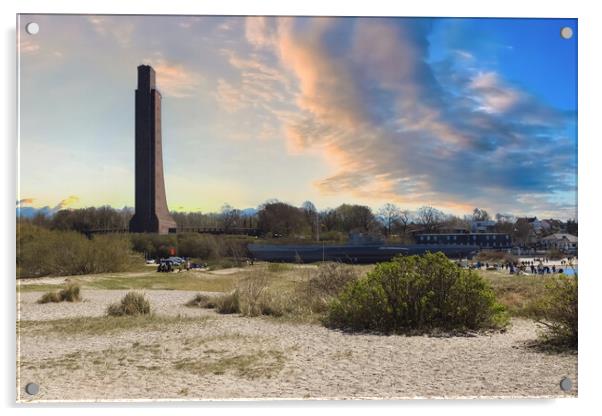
267 358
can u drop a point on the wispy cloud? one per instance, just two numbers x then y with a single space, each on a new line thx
176 80
368 98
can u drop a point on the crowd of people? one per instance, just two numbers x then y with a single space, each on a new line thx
538 266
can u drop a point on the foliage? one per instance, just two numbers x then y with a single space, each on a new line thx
195 245
417 293
43 252
133 303
278 218
558 311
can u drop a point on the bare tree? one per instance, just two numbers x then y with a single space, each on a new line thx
404 219
230 217
479 214
312 217
430 218
389 214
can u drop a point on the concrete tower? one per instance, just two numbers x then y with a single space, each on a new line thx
152 214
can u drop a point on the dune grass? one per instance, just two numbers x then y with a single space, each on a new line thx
260 364
517 293
102 325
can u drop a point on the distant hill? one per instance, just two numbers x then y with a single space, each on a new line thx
248 212
30 212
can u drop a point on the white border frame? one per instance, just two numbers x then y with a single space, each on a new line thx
590 70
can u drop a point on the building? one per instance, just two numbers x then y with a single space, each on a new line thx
485 226
152 214
494 241
566 243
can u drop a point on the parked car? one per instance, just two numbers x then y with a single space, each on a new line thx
176 260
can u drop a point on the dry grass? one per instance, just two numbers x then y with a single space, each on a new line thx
202 301
132 304
517 292
68 294
260 364
104 324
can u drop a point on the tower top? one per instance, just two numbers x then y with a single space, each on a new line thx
146 77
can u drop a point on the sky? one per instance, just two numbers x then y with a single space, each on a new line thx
450 113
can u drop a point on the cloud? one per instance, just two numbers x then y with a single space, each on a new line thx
176 80
28 47
119 30
25 201
70 200
493 96
29 211
257 85
402 128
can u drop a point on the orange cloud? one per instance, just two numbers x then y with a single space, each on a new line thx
25 201
176 80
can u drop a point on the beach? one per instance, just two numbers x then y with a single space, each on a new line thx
191 353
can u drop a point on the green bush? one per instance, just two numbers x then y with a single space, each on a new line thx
132 304
68 294
557 311
43 252
417 293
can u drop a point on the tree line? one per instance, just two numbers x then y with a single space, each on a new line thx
279 219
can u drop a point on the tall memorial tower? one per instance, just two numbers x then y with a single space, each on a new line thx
152 214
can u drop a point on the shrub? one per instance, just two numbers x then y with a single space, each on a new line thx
43 252
49 297
327 282
557 311
132 304
228 303
203 301
252 294
417 293
68 294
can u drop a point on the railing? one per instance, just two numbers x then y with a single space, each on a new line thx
200 230
220 230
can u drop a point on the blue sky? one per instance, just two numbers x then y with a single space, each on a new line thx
454 113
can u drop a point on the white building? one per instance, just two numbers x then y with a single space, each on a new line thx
563 242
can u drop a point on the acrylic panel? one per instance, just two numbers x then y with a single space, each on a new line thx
250 207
